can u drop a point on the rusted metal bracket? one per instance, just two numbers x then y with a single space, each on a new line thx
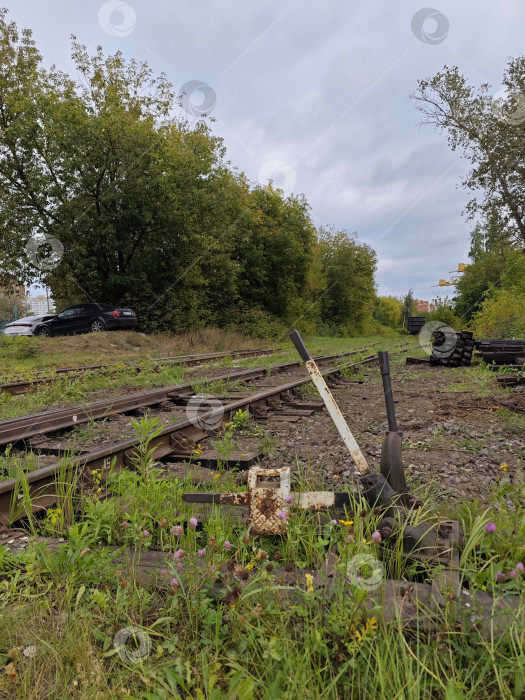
269 498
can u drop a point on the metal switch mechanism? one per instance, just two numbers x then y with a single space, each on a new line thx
376 488
391 465
269 498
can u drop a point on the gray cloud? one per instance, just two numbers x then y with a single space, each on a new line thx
322 87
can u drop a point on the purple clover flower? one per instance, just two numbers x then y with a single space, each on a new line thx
177 530
376 537
193 522
201 552
491 527
228 544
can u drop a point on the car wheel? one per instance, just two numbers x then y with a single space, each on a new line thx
97 326
45 332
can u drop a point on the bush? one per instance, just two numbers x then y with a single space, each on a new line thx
259 324
501 316
19 348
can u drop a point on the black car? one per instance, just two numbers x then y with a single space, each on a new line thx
83 318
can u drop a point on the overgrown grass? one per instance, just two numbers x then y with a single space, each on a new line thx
245 634
65 391
25 354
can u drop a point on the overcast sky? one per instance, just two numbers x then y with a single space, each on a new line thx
315 95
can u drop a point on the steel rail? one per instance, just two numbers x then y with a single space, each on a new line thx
23 387
182 358
41 483
15 429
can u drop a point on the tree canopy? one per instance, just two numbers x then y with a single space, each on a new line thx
125 201
488 129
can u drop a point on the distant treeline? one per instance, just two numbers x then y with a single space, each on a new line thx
106 195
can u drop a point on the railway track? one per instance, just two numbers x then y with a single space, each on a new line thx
23 386
177 440
16 429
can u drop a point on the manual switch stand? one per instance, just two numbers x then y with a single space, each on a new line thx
391 465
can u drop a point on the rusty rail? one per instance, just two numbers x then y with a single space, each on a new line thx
24 427
41 483
22 387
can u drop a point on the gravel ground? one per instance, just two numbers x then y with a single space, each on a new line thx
459 430
453 440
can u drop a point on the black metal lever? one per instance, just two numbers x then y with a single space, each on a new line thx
387 388
300 346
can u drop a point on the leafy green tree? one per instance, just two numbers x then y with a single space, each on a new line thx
488 130
444 310
273 248
501 316
146 210
388 311
408 307
348 302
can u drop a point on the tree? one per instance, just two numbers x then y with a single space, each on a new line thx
349 267
443 310
273 248
408 307
388 311
489 132
501 316
476 283
140 208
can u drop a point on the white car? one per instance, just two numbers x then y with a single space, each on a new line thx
25 326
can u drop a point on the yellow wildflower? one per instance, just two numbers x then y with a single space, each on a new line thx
249 566
309 583
504 467
217 476
346 522
371 623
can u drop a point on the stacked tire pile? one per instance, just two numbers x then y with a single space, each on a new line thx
451 348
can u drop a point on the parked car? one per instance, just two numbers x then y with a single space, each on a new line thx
82 318
25 326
